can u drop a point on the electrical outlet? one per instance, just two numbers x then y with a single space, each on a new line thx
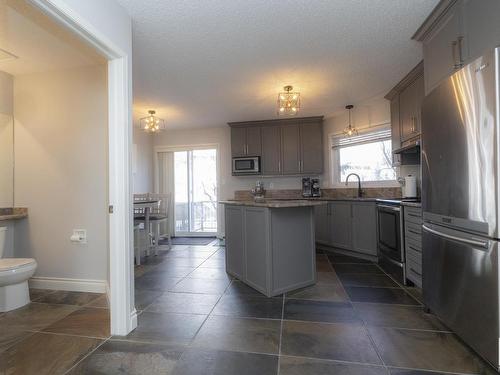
79 236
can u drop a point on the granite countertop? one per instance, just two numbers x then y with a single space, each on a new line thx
13 213
276 203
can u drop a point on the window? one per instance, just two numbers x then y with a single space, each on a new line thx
369 155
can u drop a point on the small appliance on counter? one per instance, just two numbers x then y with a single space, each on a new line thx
315 189
258 191
310 187
410 186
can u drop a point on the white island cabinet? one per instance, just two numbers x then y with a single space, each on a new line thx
270 245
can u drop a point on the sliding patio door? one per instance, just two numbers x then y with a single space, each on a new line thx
195 192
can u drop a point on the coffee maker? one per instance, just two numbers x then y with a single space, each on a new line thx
310 187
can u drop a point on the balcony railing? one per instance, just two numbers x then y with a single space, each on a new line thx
196 217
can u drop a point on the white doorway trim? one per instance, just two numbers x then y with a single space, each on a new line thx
121 288
202 146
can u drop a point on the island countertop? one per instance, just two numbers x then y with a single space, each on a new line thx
276 203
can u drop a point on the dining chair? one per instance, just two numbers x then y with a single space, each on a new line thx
142 235
159 219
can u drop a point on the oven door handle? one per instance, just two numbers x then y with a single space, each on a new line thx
483 244
389 208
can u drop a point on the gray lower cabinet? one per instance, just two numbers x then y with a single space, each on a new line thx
413 244
271 249
348 225
364 228
341 225
235 259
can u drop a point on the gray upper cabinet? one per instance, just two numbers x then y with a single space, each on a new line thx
291 146
271 150
395 130
238 142
455 33
441 48
254 145
410 101
364 228
245 141
290 149
481 25
406 103
311 143
340 225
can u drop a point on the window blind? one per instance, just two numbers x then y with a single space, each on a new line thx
341 140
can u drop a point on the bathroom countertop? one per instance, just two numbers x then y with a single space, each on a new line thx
13 213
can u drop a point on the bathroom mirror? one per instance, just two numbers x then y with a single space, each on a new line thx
6 160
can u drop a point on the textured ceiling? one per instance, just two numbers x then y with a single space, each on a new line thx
38 42
204 63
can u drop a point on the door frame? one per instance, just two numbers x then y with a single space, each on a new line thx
120 236
203 146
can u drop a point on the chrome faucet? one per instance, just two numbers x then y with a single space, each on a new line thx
360 192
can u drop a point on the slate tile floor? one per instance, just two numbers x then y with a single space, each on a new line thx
194 319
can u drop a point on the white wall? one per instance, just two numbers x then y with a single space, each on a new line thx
6 140
142 162
61 147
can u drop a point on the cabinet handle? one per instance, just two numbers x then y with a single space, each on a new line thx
460 51
454 46
279 166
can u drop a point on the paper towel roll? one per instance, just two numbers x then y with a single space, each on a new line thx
410 190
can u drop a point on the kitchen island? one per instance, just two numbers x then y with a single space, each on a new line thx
270 245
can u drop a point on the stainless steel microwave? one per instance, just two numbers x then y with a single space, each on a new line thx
246 165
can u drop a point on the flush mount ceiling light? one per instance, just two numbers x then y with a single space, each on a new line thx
152 123
288 101
350 130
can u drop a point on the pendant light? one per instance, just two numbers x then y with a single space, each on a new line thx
350 130
288 102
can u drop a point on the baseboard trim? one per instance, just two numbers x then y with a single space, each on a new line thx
72 285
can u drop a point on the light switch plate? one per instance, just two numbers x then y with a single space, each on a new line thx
79 236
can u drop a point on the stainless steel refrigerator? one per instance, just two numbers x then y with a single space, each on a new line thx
460 203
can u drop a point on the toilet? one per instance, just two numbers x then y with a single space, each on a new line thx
14 276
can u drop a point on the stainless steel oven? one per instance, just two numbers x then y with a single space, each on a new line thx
246 165
390 240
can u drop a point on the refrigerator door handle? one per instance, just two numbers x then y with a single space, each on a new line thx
483 244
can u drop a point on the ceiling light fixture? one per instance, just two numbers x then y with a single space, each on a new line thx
350 130
288 101
152 123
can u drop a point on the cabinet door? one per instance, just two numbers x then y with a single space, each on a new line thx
364 228
409 110
439 57
257 252
235 249
311 142
271 150
253 140
419 94
395 130
481 26
321 223
340 225
290 149
238 142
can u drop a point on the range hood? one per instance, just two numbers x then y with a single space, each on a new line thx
411 147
